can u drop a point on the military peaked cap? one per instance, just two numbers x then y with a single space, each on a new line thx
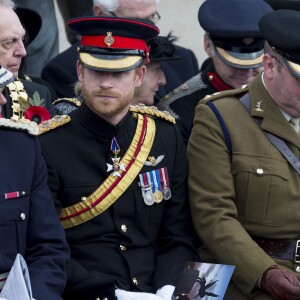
113 44
232 26
280 30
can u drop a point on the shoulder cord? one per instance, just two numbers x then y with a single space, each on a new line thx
223 126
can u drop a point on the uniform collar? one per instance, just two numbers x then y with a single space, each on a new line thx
273 120
215 80
98 126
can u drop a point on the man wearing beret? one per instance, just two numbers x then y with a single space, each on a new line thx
235 46
119 185
245 145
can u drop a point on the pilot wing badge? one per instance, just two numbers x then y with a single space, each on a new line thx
152 161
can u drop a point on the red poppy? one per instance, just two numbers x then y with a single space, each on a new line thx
37 114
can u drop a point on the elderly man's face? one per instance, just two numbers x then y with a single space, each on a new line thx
154 78
281 84
12 49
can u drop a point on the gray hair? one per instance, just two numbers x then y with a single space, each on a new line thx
8 3
108 5
113 5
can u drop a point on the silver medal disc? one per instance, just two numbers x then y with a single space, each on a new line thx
167 193
149 198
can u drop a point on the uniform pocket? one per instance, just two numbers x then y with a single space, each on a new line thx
14 215
261 183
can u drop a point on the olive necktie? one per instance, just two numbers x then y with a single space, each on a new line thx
296 124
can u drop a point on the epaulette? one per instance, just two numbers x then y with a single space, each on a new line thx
189 87
74 101
152 111
21 124
224 94
53 123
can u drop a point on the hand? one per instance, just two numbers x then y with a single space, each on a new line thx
280 284
166 292
124 295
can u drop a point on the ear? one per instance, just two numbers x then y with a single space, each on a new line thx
97 10
269 65
80 71
140 75
207 45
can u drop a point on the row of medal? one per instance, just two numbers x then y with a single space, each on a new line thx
155 186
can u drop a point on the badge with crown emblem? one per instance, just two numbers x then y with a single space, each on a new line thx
109 40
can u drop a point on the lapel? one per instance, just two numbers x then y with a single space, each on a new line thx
273 121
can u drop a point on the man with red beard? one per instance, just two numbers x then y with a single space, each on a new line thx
119 185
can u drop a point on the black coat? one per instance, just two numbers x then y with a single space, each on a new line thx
28 223
181 103
61 72
157 239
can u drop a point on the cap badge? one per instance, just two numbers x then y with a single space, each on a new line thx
109 40
248 41
258 103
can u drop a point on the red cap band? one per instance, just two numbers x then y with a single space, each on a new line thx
114 42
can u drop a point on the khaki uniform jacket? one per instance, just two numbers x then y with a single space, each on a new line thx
257 193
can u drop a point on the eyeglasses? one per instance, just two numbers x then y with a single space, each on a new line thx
285 67
155 17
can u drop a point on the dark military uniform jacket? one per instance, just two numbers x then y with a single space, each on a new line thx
129 245
28 220
182 101
255 194
37 92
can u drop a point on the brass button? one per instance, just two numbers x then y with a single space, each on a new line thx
259 171
123 248
124 228
22 216
104 298
135 281
210 77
